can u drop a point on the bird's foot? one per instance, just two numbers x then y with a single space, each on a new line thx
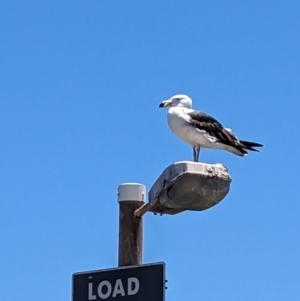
196 153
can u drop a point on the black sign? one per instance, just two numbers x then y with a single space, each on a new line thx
131 283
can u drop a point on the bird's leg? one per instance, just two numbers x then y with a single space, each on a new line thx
197 153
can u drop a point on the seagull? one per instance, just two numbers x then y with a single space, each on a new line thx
201 130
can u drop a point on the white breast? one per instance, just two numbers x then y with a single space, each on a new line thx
178 122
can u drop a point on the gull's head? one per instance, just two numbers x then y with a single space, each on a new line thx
179 100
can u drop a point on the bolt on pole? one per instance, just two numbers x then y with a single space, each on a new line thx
131 196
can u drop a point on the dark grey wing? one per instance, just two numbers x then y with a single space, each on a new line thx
202 117
214 128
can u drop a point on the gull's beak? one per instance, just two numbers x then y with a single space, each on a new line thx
165 103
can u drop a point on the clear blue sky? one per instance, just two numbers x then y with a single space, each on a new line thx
80 86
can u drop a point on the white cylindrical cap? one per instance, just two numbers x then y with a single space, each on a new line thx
131 192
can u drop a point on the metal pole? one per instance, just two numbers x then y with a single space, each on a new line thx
131 196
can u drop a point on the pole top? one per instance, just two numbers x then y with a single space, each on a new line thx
131 192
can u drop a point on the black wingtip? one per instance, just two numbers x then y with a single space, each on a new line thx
251 144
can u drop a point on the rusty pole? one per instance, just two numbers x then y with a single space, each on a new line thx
131 196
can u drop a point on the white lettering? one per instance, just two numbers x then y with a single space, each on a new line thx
119 289
91 296
100 291
133 290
